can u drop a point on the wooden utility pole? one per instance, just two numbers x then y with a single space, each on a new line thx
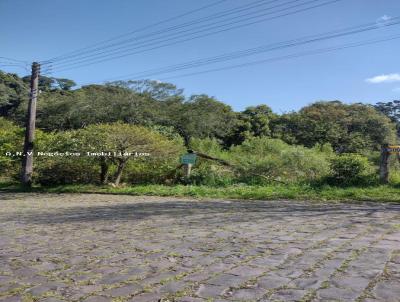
27 161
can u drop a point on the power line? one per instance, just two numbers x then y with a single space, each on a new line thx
302 54
178 34
262 49
252 5
14 65
146 40
90 61
282 58
14 60
139 29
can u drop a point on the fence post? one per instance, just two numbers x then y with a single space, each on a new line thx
384 164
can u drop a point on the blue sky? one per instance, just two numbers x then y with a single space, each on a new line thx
39 30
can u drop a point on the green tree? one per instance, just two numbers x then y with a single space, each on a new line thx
64 84
64 110
13 91
252 122
348 128
203 117
51 83
125 142
391 110
149 88
11 141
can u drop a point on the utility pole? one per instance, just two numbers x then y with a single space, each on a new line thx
27 161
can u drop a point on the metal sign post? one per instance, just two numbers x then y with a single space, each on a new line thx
188 160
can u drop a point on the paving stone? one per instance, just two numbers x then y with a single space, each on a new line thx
114 278
157 278
196 277
40 289
172 287
97 299
123 291
289 295
11 299
356 283
147 297
334 293
103 247
248 294
307 283
227 280
190 299
388 290
52 300
210 291
270 282
246 271
88 289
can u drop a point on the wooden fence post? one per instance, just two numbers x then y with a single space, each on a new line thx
384 164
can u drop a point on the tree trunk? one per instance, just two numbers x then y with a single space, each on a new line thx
120 169
103 171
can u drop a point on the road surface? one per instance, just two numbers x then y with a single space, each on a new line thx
97 248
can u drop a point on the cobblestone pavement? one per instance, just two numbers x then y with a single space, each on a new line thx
97 248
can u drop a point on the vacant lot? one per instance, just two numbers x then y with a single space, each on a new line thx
124 248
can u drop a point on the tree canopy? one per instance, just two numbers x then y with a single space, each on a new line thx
348 128
157 105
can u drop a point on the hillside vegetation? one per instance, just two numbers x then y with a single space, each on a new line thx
325 143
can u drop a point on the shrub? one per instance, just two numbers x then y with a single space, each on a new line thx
347 169
209 174
152 171
11 140
61 171
55 170
117 137
261 160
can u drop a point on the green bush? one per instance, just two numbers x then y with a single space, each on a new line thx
153 171
209 174
56 170
257 161
118 137
349 169
11 140
66 171
261 160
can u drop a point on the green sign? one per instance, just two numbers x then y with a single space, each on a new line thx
189 158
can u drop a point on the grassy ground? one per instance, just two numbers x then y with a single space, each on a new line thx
383 193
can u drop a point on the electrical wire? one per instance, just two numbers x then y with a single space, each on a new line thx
146 41
14 60
252 5
138 30
262 49
302 54
106 58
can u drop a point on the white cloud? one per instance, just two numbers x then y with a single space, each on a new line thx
382 20
384 78
385 18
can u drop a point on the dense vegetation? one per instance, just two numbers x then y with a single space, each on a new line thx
323 143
